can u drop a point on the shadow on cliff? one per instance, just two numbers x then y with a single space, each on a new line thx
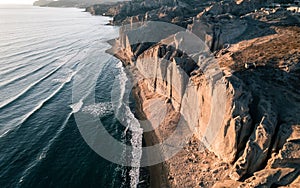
275 110
257 28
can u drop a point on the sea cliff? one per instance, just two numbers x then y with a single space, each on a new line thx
237 88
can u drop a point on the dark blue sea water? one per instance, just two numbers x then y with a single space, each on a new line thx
43 51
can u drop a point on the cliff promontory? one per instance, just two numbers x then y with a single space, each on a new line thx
232 72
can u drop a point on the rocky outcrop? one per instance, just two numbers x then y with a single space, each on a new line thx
101 9
228 23
218 23
220 30
175 11
248 118
244 117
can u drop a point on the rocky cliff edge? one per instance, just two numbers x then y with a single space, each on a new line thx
242 102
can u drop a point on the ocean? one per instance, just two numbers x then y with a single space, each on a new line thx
51 61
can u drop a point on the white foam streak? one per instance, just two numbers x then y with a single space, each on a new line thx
76 107
40 105
28 88
134 126
43 154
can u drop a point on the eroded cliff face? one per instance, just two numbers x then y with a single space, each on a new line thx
247 119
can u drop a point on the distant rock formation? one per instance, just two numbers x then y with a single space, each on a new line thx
42 2
71 3
175 11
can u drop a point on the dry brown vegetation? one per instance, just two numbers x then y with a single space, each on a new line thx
275 50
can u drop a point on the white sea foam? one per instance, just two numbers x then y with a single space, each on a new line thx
77 106
127 119
28 88
66 78
99 109
4 133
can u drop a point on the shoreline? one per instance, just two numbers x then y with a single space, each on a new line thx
156 181
175 172
157 173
